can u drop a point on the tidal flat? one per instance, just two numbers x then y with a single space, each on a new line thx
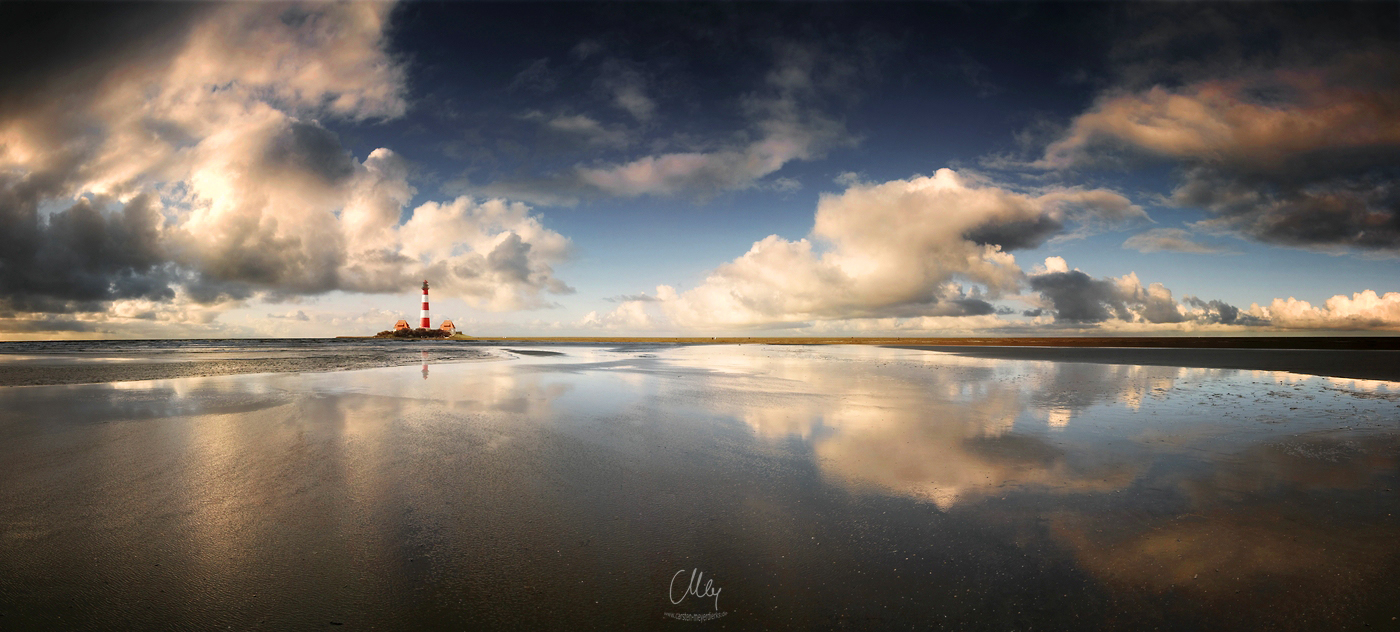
722 486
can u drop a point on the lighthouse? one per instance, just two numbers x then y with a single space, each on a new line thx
424 324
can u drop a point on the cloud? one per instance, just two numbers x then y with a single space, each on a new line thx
80 256
590 130
627 298
538 77
786 124
202 175
297 315
1361 311
629 316
177 316
586 48
1169 240
1121 303
927 247
628 89
1303 156
975 73
776 291
44 325
784 185
494 254
1215 311
1077 298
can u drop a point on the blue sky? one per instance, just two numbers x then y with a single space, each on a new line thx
257 169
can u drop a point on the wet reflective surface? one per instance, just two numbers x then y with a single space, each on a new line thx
809 487
48 362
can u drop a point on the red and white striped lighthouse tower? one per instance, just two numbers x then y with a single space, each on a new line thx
424 323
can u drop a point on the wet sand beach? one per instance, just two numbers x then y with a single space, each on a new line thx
88 362
807 487
82 362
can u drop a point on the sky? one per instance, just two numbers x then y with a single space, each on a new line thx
257 169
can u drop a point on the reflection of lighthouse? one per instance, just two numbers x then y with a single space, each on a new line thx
425 364
424 324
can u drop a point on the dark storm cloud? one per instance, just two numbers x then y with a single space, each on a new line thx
1216 311
933 306
1361 210
627 298
60 53
1078 297
1157 308
309 149
966 307
510 259
1172 44
1284 120
96 250
1018 234
44 325
80 256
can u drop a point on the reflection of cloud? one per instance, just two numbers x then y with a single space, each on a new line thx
941 433
1265 518
1364 386
936 452
1061 389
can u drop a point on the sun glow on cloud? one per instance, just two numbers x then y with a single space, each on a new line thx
229 187
897 256
899 248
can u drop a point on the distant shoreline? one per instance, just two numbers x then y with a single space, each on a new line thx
1357 364
1373 343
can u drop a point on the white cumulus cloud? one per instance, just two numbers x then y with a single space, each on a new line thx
927 247
1360 311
